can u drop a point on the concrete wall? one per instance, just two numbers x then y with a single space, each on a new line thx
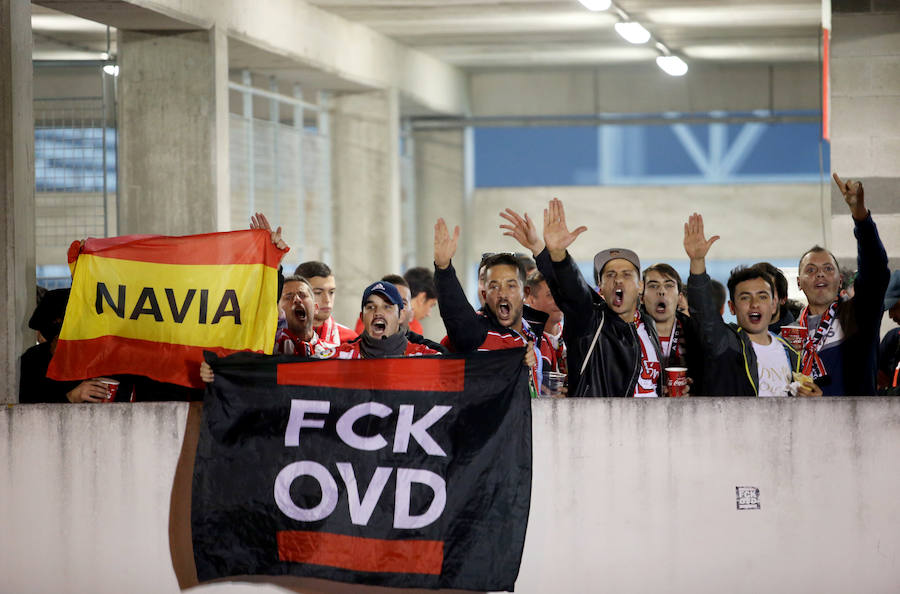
639 88
627 496
756 221
865 128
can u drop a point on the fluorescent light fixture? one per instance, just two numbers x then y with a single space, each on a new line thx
596 5
104 56
111 69
633 32
672 65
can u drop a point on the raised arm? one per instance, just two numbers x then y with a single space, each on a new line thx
873 274
710 325
460 320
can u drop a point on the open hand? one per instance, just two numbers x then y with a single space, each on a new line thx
853 196
557 236
206 372
444 245
259 221
523 230
696 245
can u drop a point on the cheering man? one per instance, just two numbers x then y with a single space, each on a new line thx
841 349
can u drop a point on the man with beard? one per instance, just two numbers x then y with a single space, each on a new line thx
299 308
407 314
321 279
841 349
613 350
500 324
382 308
748 360
678 339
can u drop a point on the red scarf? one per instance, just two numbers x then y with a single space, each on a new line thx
329 333
812 364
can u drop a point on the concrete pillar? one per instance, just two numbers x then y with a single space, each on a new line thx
173 132
365 172
16 190
440 192
865 129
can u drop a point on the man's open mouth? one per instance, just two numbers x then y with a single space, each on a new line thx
821 285
618 297
503 309
300 312
755 317
661 307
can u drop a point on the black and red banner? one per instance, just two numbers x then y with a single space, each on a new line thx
411 472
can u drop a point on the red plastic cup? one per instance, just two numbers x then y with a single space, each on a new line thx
676 380
112 386
795 336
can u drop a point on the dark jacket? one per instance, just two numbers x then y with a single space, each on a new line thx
853 365
786 319
467 329
729 359
615 363
693 360
416 338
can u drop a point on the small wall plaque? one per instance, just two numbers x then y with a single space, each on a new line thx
747 497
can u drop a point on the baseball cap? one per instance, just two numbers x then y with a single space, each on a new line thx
892 295
386 290
604 257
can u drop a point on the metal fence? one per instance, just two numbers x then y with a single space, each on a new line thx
75 169
281 166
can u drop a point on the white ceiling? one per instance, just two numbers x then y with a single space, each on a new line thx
479 34
476 34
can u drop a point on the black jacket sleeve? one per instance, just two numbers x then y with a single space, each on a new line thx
569 289
873 275
464 329
714 334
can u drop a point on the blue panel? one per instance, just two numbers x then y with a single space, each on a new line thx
786 149
667 156
535 156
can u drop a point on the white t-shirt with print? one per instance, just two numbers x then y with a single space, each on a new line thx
774 368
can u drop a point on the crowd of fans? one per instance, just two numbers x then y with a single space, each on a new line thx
634 335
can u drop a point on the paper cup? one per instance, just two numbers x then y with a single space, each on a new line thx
112 386
676 380
795 336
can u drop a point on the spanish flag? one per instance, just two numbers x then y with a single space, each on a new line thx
150 305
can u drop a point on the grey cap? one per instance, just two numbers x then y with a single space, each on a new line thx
892 295
604 257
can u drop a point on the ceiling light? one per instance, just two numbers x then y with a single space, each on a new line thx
104 56
596 5
672 65
111 69
633 32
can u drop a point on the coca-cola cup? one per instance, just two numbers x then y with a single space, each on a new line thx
676 380
795 336
112 386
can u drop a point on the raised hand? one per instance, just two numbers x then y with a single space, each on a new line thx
523 230
557 236
444 245
259 221
695 243
853 196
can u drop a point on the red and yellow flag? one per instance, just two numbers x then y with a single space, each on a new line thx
150 305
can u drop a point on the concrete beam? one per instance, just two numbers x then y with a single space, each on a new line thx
17 288
311 37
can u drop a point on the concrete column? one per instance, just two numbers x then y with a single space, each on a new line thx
440 192
16 190
365 172
865 129
173 132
